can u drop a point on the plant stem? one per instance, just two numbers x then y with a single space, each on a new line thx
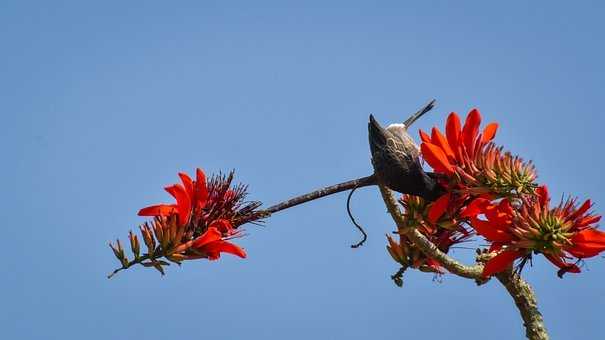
136 261
525 299
319 193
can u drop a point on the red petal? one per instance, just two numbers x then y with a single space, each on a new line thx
590 235
543 197
215 255
223 225
587 243
495 247
438 208
453 130
158 210
489 132
491 231
436 158
201 190
586 221
225 247
439 139
565 267
424 137
585 252
583 209
471 130
211 235
476 207
500 262
183 202
187 183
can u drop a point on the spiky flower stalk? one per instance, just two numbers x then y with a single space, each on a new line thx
207 214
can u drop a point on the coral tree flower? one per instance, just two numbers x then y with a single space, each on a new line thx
496 194
193 201
200 224
435 223
190 196
470 163
458 147
211 244
561 233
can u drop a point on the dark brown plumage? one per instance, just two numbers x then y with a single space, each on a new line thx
396 159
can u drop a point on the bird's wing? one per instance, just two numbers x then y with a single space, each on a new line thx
388 148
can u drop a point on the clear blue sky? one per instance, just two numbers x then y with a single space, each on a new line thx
102 104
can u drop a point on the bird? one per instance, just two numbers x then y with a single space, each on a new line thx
396 158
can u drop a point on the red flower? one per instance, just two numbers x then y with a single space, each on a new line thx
190 196
438 208
459 146
433 220
471 163
561 233
211 244
206 215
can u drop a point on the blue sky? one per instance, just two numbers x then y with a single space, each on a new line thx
102 104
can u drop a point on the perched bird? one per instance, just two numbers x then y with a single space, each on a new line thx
396 159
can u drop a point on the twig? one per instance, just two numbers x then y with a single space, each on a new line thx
332 189
130 264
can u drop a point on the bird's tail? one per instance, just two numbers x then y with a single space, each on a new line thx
376 134
426 108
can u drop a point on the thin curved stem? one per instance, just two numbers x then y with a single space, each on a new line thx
359 227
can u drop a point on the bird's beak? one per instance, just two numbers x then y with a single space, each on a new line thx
426 108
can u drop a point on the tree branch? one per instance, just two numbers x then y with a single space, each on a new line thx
524 298
319 193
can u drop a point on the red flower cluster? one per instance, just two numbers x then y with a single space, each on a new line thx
200 224
443 232
190 209
471 164
560 233
496 194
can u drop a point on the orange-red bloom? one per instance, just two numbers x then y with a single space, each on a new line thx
211 244
496 194
432 220
561 233
201 223
208 210
190 196
458 148
471 164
